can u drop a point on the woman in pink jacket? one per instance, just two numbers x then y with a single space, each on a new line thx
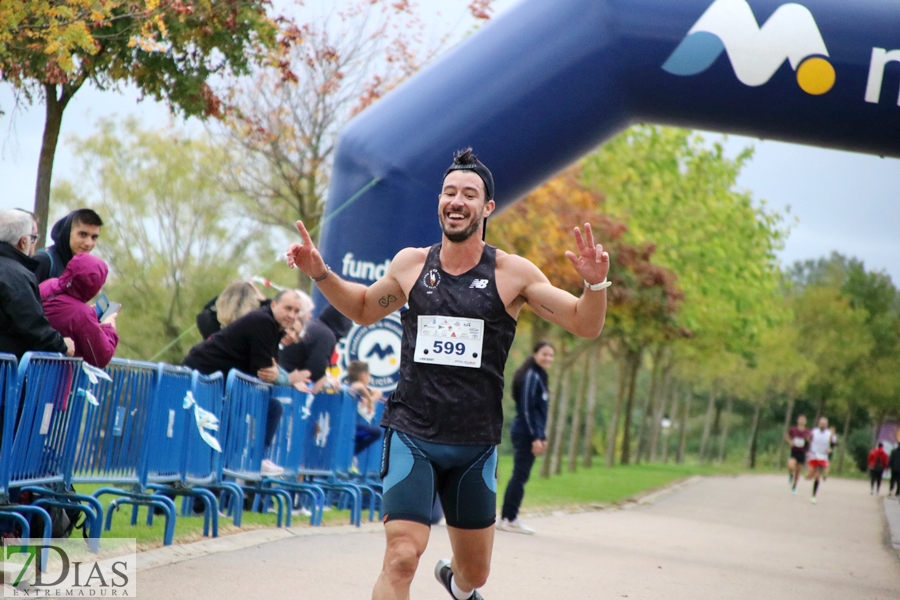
66 305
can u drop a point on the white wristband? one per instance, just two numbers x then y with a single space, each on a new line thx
597 286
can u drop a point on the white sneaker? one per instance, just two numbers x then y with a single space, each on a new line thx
270 469
813 500
516 526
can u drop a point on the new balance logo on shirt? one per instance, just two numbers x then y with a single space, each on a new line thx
478 284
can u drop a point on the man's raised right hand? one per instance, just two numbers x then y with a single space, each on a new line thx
305 256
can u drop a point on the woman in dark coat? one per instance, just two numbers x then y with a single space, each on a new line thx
529 439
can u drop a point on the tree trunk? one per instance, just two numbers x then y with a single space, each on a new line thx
754 432
551 418
664 395
577 409
562 415
724 437
648 410
634 365
707 423
788 415
682 428
612 429
591 411
842 447
820 410
55 105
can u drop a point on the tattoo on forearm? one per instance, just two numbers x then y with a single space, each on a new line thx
386 301
547 308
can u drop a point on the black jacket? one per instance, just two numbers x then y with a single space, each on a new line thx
23 326
894 460
52 260
248 345
312 352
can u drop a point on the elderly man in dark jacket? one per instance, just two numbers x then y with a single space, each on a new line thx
23 326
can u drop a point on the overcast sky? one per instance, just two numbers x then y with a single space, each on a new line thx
845 202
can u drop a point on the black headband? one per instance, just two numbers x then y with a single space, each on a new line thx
464 160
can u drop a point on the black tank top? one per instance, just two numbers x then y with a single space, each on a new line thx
450 404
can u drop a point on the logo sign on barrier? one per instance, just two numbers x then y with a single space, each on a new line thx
756 52
378 345
71 570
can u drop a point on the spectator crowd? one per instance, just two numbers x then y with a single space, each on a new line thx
51 301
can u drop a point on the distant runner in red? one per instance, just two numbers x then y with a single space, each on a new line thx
878 462
798 437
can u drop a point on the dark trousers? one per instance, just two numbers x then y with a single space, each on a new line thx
523 460
875 478
366 435
895 481
273 417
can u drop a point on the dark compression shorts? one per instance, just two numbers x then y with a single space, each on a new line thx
798 454
465 478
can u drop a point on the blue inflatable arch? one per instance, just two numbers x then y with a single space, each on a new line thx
550 80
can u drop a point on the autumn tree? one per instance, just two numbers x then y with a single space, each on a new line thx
281 132
173 239
169 49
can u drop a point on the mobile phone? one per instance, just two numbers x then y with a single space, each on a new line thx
105 308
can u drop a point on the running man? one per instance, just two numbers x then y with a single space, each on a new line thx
445 418
820 444
798 438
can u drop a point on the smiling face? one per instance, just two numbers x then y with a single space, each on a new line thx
83 238
461 205
544 357
286 309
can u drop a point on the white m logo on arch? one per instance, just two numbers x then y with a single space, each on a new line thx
755 52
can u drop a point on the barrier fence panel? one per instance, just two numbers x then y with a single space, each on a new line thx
289 446
113 446
329 447
46 409
244 425
201 462
165 445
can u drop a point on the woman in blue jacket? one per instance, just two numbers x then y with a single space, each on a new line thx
531 393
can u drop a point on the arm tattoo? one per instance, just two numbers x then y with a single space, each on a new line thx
547 308
386 301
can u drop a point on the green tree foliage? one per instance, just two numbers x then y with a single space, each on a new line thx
677 192
168 49
172 238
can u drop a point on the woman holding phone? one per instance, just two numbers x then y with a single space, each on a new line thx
66 306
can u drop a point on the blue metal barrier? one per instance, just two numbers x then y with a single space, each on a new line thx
201 462
329 448
114 442
290 445
42 416
162 461
243 426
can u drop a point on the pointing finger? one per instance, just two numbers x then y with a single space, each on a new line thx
304 234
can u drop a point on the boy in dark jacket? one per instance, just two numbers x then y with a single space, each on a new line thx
74 234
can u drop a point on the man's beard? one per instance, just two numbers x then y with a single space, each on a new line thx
461 236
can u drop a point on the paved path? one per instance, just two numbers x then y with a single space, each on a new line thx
722 538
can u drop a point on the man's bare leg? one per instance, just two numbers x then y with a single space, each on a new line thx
406 541
471 563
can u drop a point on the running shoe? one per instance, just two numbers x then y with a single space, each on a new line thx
444 575
813 500
516 526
